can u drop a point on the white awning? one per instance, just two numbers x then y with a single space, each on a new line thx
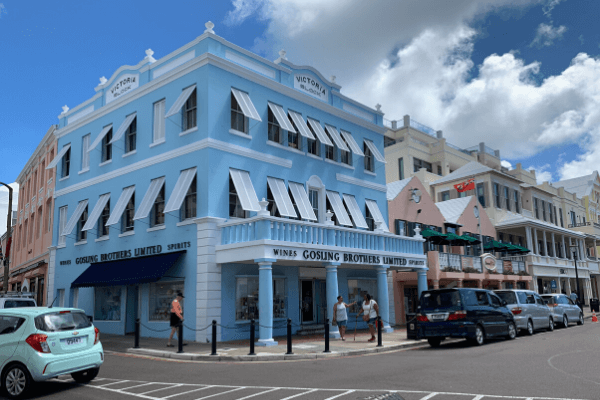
123 128
302 201
281 118
176 107
246 104
335 135
99 138
301 125
282 198
338 208
374 210
319 132
181 187
93 217
59 156
245 190
74 218
149 198
374 150
357 217
352 143
117 212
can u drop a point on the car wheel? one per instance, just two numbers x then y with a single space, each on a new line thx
512 331
479 336
580 320
529 327
85 376
434 342
565 322
16 381
551 325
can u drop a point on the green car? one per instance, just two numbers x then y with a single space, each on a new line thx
39 343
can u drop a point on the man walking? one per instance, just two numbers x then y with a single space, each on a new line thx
176 316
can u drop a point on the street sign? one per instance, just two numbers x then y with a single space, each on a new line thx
553 284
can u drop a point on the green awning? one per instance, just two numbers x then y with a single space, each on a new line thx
495 246
470 239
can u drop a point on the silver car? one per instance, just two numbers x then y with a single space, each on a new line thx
529 309
564 309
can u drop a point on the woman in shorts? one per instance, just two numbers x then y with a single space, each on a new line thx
340 316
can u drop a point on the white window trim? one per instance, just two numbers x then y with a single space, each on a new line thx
157 143
82 171
370 173
102 238
129 233
339 164
105 163
81 242
284 147
132 152
156 228
188 221
63 178
314 156
187 132
240 133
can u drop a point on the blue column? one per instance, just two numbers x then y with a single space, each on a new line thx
422 282
332 294
383 298
265 302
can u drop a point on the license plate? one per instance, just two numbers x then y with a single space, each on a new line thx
74 340
438 317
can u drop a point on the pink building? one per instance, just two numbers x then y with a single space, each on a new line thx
33 233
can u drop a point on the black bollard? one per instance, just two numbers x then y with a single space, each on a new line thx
180 337
214 339
379 331
327 336
289 336
136 342
252 353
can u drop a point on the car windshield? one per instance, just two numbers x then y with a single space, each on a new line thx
508 297
550 298
62 321
19 303
440 299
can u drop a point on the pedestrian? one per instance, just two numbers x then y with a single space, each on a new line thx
370 311
340 316
176 317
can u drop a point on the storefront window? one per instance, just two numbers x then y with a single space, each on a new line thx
107 304
357 288
161 296
246 298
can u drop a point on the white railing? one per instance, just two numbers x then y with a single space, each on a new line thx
459 262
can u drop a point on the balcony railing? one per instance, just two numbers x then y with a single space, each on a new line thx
285 230
460 263
423 128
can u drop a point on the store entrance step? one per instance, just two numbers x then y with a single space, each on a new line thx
308 330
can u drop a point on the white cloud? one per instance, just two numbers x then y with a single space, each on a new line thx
4 204
549 6
542 174
506 164
242 10
2 9
546 35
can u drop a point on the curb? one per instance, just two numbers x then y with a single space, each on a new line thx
272 357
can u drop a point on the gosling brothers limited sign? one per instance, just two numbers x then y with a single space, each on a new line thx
343 257
309 85
123 85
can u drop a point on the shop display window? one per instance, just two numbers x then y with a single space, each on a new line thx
246 298
161 296
107 304
356 290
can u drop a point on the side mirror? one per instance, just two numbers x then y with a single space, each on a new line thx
504 303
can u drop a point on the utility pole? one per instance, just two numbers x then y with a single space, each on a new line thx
8 236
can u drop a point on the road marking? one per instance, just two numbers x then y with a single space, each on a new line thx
340 395
478 397
300 394
189 391
143 384
112 383
156 390
252 395
429 396
218 394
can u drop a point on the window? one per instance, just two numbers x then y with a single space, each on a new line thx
62 222
85 155
10 324
400 168
246 298
313 197
159 122
235 206
314 146
157 216
189 112
274 129
536 208
544 210
507 198
189 202
445 195
107 146
127 219
239 121
294 140
102 228
369 162
346 157
550 213
31 228
541 248
330 151
418 164
357 288
482 299
439 170
497 195
573 219
480 194
82 235
66 164
400 227
369 218
130 136
560 213
516 199
39 222
495 301
272 206
161 297
107 303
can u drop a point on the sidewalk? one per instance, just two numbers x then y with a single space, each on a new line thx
303 347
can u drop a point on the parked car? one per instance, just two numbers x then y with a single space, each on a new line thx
40 343
530 311
473 314
563 309
17 299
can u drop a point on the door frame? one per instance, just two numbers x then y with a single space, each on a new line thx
313 321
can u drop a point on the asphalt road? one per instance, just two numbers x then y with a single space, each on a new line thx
563 364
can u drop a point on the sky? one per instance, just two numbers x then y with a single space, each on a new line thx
523 76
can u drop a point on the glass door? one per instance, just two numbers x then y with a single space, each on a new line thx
307 304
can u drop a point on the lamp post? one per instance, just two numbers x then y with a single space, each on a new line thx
576 275
8 235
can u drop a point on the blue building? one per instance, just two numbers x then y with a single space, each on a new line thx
254 187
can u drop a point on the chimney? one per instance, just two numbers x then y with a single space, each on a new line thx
407 120
482 147
439 134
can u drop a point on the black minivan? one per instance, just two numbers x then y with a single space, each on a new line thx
473 314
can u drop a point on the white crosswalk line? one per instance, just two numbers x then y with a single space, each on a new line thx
189 391
258 394
219 394
340 395
429 396
299 394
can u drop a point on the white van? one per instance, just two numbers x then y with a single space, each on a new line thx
17 299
